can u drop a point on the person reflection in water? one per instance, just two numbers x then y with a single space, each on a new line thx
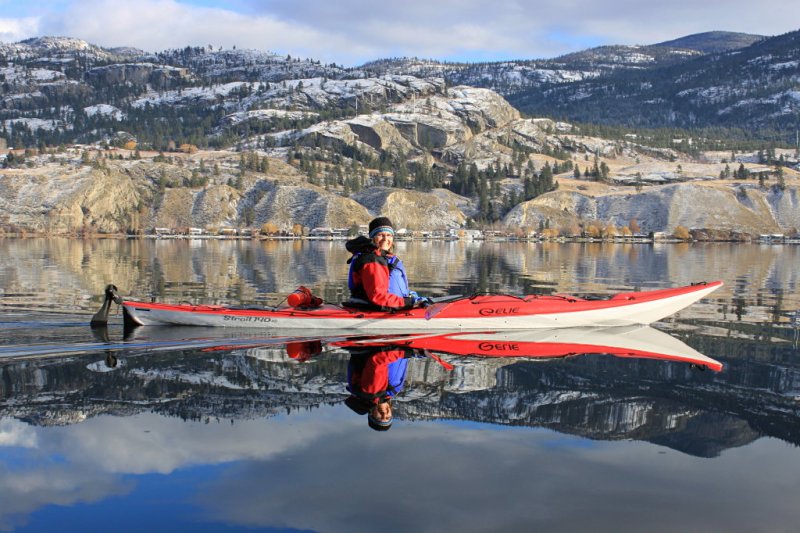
375 376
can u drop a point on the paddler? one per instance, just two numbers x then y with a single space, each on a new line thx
377 277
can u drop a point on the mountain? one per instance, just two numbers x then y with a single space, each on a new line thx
609 59
60 50
60 90
508 77
756 88
396 124
713 42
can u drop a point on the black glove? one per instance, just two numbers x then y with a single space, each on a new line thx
420 301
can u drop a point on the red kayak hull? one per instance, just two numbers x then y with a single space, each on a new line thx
479 313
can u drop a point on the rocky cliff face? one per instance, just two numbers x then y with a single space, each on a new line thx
161 76
438 121
286 205
70 200
732 208
416 210
131 196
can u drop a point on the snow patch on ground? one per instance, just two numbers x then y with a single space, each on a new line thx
41 74
784 65
772 100
191 94
105 110
266 115
32 124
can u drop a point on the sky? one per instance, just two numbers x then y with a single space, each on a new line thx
351 32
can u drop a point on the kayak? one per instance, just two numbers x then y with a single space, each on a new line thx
475 313
485 312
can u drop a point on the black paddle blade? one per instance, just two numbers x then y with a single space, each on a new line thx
100 318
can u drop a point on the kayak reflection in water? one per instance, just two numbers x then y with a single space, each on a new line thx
375 376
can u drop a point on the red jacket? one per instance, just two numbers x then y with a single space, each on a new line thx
370 279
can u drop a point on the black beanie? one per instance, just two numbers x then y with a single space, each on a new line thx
380 224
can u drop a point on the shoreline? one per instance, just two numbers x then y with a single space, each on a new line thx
768 240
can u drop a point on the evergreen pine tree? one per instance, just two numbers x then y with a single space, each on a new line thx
604 171
781 180
546 179
741 173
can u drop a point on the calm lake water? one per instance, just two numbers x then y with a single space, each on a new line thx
214 430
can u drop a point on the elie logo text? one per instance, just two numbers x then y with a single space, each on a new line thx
499 311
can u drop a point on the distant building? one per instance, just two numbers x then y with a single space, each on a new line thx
491 234
473 234
321 232
771 237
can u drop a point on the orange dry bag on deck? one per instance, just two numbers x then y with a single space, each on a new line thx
302 297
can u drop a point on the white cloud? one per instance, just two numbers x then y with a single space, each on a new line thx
88 462
12 30
149 443
25 490
155 25
15 433
450 478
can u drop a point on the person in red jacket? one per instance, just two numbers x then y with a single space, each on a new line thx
374 278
